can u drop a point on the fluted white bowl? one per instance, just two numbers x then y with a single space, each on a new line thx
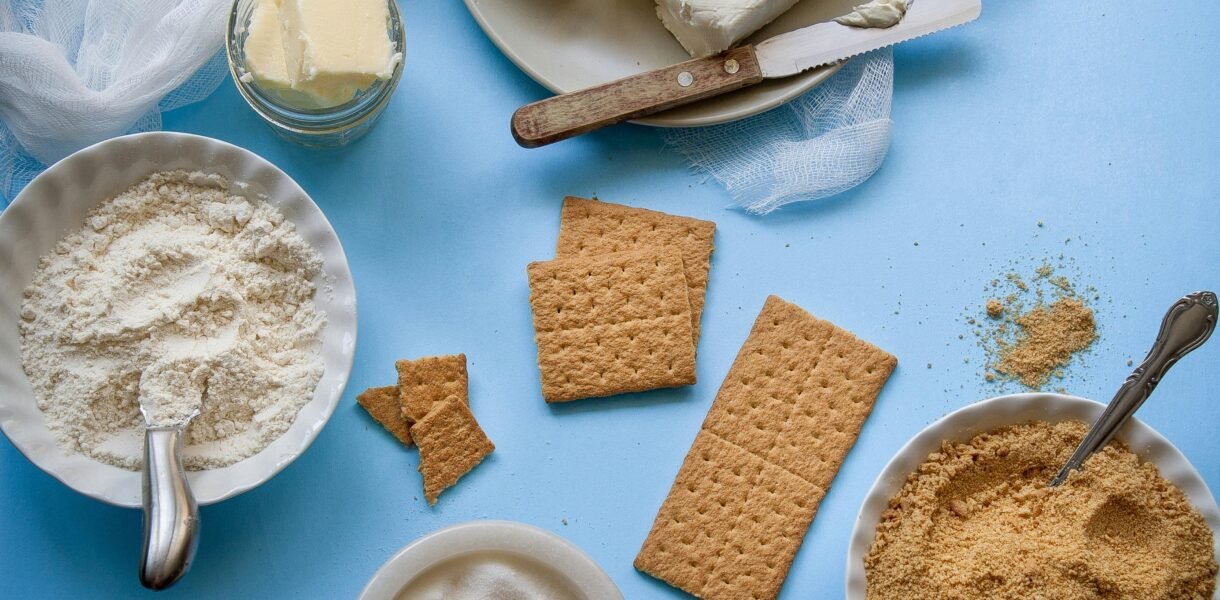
967 422
55 203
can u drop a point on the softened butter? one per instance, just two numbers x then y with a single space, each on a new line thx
324 51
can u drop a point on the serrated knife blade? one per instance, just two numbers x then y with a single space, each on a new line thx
567 115
827 43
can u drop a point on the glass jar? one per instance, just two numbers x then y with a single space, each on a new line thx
328 127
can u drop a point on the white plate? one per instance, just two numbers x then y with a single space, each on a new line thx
567 45
506 536
55 204
965 423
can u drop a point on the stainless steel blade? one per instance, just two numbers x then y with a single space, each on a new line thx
827 43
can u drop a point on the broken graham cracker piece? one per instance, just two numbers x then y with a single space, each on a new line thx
592 227
383 404
611 324
450 444
782 423
427 381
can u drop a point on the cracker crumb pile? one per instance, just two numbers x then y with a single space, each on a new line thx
978 520
1049 336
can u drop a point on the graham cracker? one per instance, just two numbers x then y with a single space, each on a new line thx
425 382
799 391
591 227
611 324
692 525
383 405
450 443
783 421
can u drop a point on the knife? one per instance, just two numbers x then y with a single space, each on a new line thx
568 115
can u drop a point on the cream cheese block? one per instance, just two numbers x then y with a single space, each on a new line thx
705 27
881 14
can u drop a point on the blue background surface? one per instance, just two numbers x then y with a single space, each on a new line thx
1097 119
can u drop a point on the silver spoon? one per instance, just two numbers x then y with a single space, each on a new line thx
171 516
1189 322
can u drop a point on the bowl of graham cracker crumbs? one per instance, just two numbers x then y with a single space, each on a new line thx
964 510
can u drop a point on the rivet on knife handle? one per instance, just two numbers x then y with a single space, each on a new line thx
567 115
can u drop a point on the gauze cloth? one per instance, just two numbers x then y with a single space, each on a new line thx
76 72
825 142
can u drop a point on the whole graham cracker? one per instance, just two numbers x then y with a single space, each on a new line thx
451 443
382 403
425 382
591 227
783 421
611 324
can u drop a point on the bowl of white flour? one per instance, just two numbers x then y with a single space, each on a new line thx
167 248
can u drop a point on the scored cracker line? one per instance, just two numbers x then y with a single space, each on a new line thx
764 459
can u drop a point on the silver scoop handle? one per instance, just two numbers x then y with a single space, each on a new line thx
171 516
1189 322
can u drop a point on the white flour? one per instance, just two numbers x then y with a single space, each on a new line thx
174 292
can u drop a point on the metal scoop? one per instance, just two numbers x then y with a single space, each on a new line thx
1189 322
171 516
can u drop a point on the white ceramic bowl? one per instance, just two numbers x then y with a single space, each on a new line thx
55 204
506 536
965 423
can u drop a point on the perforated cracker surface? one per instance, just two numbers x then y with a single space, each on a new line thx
450 443
383 404
423 383
799 391
692 525
790 409
592 227
611 324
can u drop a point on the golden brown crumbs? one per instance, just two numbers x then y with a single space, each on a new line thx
978 520
995 308
1024 312
1048 337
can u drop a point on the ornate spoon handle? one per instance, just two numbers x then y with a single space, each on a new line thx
1189 322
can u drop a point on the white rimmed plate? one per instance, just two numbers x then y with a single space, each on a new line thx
519 539
55 203
965 423
567 45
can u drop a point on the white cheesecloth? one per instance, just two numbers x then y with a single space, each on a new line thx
825 142
76 72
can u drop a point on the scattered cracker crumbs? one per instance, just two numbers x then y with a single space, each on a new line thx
1036 326
978 520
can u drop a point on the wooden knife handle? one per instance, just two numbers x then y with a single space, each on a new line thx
567 115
